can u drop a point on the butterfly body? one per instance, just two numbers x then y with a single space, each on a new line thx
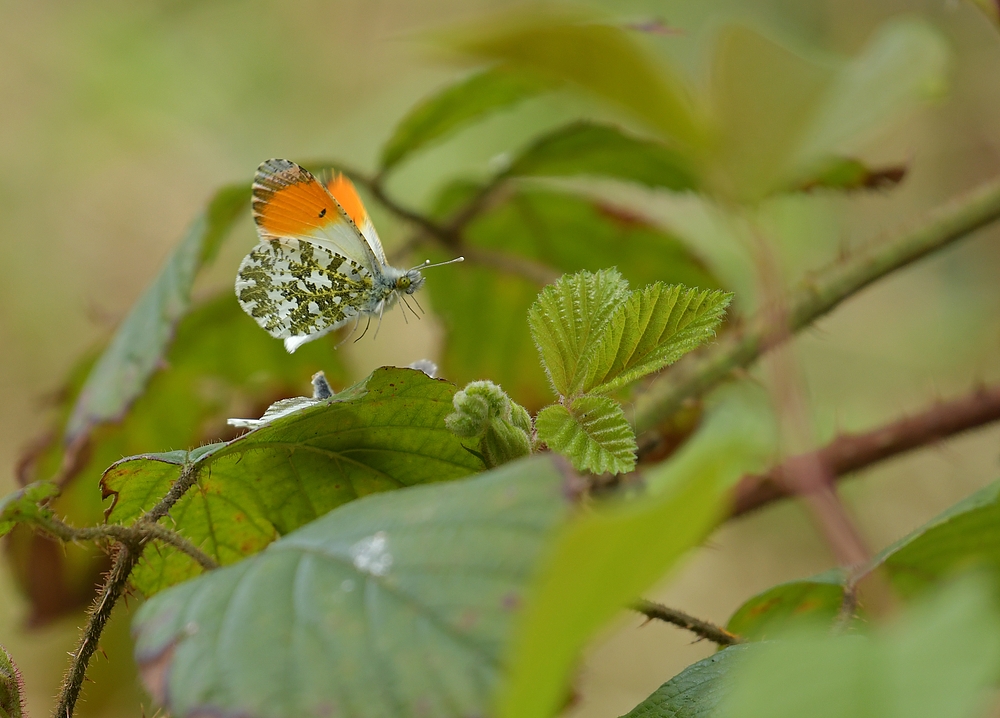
319 263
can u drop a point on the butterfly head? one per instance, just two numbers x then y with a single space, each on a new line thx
409 282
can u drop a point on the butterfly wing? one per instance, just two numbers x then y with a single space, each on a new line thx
299 290
289 203
343 191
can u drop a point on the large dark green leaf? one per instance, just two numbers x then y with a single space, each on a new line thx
696 691
565 232
398 604
220 365
137 348
587 148
457 105
600 58
384 433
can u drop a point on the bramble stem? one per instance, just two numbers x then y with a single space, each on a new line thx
129 553
702 370
704 629
851 452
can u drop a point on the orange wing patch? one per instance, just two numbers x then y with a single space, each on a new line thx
343 191
289 202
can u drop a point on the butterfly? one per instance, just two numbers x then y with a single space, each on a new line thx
319 263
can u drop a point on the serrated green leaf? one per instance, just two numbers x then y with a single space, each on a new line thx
938 659
397 604
384 433
185 404
11 687
656 326
588 148
568 319
593 433
22 506
565 232
696 691
456 106
121 373
600 58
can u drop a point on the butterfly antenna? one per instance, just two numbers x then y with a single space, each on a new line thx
403 298
366 328
426 264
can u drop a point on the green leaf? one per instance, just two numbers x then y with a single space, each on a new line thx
565 232
844 174
456 106
966 535
137 348
593 433
587 148
904 63
185 404
604 560
696 691
937 660
11 687
600 58
397 604
382 434
767 614
656 326
568 319
22 506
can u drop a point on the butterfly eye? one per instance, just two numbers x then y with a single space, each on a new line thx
403 283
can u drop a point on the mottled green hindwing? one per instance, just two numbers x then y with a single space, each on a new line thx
294 288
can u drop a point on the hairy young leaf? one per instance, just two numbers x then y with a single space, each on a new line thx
137 348
499 426
656 326
696 691
11 687
588 148
565 232
22 506
937 659
384 433
398 604
567 321
457 105
602 59
593 433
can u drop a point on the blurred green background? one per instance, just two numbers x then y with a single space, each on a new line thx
119 119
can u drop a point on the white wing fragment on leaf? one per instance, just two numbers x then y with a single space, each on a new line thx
284 407
593 433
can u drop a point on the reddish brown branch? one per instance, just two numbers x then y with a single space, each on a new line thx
851 452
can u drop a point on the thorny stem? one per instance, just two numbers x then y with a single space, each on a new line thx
704 629
129 553
851 452
702 370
